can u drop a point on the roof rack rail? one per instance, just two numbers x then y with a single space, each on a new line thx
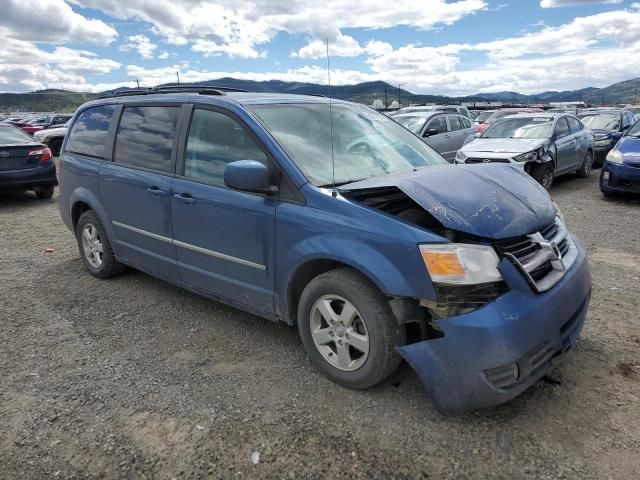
182 88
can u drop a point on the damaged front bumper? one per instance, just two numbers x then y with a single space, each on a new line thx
493 354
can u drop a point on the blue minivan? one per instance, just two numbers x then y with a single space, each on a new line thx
333 218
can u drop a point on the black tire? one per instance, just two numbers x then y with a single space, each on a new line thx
375 312
55 146
543 173
587 165
45 192
110 267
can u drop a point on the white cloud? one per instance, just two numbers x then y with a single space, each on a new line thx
572 3
141 43
164 55
216 28
51 21
23 66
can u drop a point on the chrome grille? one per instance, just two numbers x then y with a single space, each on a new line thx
542 257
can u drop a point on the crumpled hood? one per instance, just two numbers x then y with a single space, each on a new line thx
492 201
503 145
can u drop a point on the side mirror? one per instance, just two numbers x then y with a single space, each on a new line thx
248 176
626 127
477 134
431 131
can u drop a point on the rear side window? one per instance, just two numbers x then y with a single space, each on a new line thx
454 121
215 140
574 125
89 133
146 136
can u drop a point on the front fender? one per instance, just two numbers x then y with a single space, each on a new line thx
375 264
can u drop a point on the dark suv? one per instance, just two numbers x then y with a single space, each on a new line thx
331 217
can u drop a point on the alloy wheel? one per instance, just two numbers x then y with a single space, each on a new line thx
92 245
339 332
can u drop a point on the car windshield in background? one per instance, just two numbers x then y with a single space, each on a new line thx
529 127
634 131
495 116
602 121
11 136
411 122
482 116
365 143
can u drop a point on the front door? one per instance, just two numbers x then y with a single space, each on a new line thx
565 146
440 138
225 239
136 190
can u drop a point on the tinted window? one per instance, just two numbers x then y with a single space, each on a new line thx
439 123
562 129
455 123
13 135
145 137
574 125
89 132
214 141
628 120
466 122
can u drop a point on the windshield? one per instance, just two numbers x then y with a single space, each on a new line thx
528 127
411 122
12 135
608 121
495 116
634 131
366 143
482 116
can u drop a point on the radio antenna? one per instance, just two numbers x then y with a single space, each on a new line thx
333 160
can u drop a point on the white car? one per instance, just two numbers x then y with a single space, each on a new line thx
545 145
52 137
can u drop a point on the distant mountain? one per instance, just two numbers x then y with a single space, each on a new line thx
367 92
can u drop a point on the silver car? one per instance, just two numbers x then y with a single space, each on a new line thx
444 132
545 145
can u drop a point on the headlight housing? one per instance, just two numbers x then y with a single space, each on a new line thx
460 263
530 156
614 156
602 141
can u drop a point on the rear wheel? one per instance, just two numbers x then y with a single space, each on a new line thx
347 329
587 165
95 248
543 173
45 192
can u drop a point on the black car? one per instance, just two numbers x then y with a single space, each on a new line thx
25 164
607 127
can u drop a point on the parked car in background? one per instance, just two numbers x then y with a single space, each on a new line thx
352 229
446 133
482 116
50 121
25 164
545 145
53 137
503 112
436 108
608 126
635 109
621 169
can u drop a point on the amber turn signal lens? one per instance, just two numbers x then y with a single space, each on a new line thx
443 263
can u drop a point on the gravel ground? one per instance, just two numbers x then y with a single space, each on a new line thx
136 378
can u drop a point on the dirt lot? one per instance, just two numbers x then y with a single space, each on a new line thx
136 378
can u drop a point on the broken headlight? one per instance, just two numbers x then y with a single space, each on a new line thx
460 263
530 156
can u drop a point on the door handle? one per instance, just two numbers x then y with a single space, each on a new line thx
156 192
185 198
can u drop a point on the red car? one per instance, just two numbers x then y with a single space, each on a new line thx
504 112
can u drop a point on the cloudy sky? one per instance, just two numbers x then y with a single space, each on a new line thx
450 47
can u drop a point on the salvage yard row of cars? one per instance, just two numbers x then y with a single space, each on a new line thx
355 230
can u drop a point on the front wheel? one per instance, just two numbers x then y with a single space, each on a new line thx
347 329
543 173
587 164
